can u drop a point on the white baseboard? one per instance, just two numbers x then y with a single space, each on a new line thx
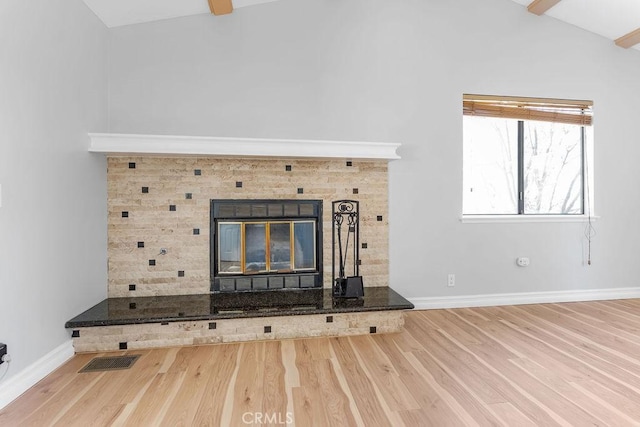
28 377
487 300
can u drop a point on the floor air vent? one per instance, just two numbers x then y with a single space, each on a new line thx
114 363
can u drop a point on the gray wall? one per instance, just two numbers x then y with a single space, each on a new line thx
395 71
53 86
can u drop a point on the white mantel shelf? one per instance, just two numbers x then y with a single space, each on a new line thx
164 145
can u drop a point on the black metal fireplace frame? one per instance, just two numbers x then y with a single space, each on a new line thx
252 210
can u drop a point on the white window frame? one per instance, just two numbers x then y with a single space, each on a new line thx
526 109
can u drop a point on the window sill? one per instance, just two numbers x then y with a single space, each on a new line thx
477 219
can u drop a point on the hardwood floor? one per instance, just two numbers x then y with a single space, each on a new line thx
550 364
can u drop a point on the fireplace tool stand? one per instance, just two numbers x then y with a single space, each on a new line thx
346 229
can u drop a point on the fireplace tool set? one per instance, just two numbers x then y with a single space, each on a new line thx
346 230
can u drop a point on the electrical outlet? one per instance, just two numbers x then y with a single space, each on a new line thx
3 351
451 280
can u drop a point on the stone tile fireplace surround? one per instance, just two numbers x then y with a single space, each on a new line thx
159 205
162 204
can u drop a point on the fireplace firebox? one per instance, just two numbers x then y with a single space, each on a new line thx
259 245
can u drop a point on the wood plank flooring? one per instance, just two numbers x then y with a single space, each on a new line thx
530 365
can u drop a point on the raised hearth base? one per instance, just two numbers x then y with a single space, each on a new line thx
152 322
154 335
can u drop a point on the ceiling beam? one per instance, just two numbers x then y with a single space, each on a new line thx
221 7
629 39
539 7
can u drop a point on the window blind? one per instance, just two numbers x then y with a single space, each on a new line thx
575 112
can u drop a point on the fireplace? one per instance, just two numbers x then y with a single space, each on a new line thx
259 245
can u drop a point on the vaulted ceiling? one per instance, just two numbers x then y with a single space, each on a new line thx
613 19
116 13
617 20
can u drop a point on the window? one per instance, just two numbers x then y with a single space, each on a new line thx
526 156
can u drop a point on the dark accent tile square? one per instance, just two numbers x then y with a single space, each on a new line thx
75 334
287 168
141 244
181 273
123 346
372 330
212 325
379 218
132 165
267 329
364 246
349 163
196 231
329 319
181 314
238 184
132 287
300 190
164 323
145 190
359 262
132 306
152 262
172 208
125 214
355 191
197 172
188 196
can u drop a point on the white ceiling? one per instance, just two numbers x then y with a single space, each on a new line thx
115 13
608 18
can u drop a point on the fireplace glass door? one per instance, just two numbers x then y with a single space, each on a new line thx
266 247
260 245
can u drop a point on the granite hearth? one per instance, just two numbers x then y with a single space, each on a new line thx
148 322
